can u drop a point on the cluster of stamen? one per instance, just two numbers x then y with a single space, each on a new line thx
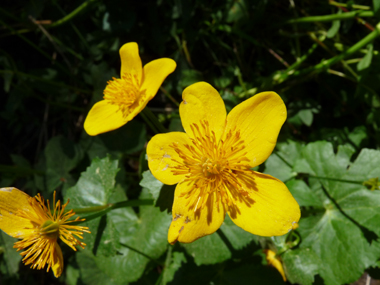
40 245
124 92
215 171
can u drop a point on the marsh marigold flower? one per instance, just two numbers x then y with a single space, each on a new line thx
274 261
128 95
212 165
39 227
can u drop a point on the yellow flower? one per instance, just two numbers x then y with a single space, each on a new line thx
275 262
212 164
127 96
39 227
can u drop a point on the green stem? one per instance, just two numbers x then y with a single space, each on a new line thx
284 160
73 26
149 114
324 65
167 94
240 79
73 14
332 17
104 209
360 7
149 123
302 59
111 206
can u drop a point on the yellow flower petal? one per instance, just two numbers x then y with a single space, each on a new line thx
273 211
189 225
161 156
57 265
104 117
155 73
12 199
259 120
202 102
130 60
275 262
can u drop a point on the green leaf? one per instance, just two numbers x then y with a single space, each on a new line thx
92 274
174 262
152 184
219 245
302 193
188 77
236 236
95 186
349 245
72 275
217 250
358 135
306 116
350 219
116 143
246 271
277 166
163 195
141 240
120 140
301 265
11 256
367 59
62 155
334 27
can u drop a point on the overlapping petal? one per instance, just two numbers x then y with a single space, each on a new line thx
154 74
162 157
103 117
259 120
202 102
274 261
187 225
273 211
130 60
11 200
57 265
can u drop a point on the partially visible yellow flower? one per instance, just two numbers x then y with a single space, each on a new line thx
39 227
128 95
212 165
274 261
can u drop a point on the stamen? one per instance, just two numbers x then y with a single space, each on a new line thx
124 93
49 224
213 168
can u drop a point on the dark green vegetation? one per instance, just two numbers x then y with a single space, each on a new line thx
322 59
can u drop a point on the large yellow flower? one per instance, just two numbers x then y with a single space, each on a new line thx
39 227
127 96
212 164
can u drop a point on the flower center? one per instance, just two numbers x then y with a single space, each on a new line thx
40 245
124 92
50 229
214 169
